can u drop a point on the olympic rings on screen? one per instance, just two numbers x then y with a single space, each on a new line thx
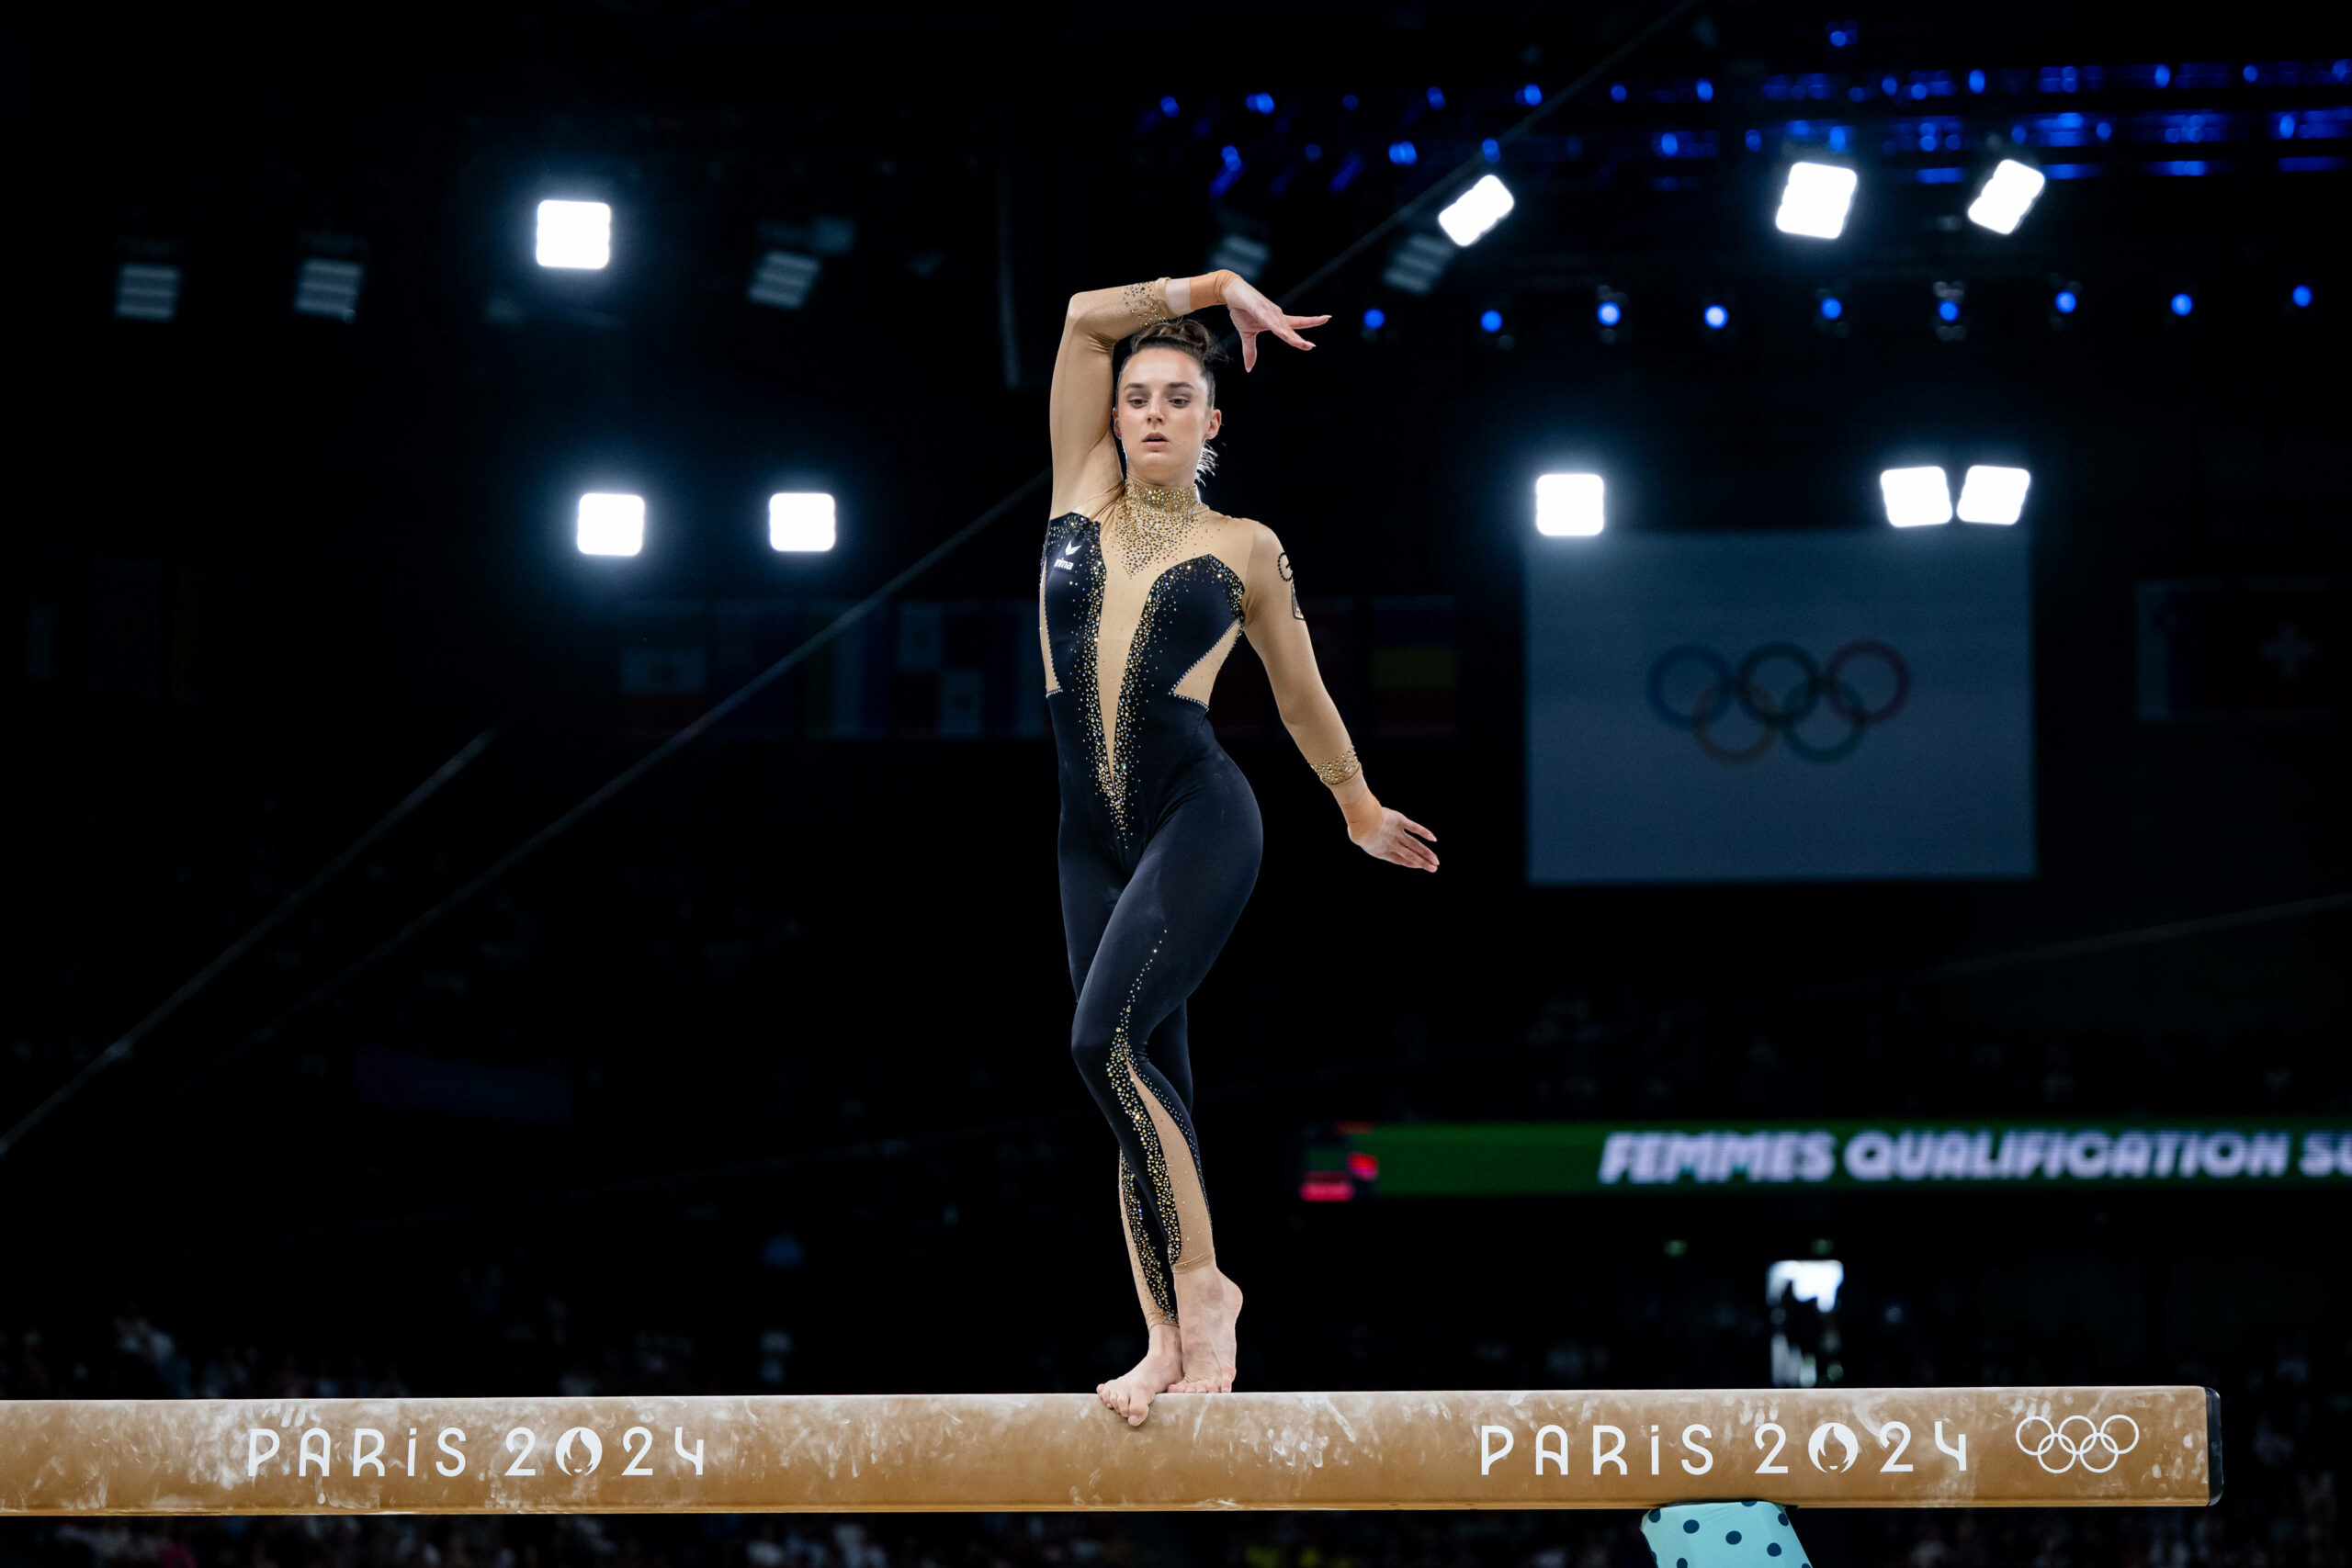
2087 1448
1751 686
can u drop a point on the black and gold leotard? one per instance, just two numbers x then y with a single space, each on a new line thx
1160 836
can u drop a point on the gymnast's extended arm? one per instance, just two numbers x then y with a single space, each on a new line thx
1277 629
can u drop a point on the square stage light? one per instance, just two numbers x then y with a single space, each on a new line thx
800 520
2001 205
143 292
1568 504
575 234
1993 495
782 279
328 288
1916 497
1476 210
611 524
1815 200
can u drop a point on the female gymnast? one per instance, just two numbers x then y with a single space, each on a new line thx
1141 591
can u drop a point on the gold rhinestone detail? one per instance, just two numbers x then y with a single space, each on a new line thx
1150 521
1340 769
1114 770
1155 1279
1146 302
1164 1191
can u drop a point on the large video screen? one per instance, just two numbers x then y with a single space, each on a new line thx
1779 707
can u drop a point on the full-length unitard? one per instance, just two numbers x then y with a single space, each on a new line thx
1160 835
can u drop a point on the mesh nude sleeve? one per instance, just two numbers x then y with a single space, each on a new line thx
1277 629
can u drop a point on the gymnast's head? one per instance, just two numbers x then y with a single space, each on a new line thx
1163 402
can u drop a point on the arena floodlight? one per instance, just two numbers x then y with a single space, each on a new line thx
575 234
2001 205
800 521
1993 495
1815 200
146 292
328 288
1568 505
1241 254
1476 210
1417 263
1916 498
782 279
611 524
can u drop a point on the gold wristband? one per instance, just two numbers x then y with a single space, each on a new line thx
1340 769
1145 304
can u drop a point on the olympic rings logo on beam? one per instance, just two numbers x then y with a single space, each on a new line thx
1751 688
2085 1447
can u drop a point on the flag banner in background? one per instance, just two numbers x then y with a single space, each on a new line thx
1413 665
2214 647
664 665
971 668
1390 662
1779 707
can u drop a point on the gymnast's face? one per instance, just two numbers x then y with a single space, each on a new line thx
1161 415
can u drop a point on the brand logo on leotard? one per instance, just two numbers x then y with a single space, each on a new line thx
1066 564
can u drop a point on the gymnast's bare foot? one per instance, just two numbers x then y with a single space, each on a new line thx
1131 1395
1207 1304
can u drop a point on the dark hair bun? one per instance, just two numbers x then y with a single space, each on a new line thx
1186 336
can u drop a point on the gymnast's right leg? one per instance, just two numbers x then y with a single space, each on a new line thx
1091 885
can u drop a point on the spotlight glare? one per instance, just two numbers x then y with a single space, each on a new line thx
1949 310
1716 318
1610 312
2065 302
1993 495
1490 321
575 234
2001 205
2182 304
1815 200
1375 318
1476 210
1568 505
611 524
1832 308
2301 296
1916 497
800 520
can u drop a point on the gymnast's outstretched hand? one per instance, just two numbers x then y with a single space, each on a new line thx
1253 313
1389 835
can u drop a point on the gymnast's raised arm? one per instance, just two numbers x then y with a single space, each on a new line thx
1085 454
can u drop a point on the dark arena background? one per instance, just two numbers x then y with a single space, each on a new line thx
362 1041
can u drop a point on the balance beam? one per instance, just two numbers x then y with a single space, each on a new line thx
948 1453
